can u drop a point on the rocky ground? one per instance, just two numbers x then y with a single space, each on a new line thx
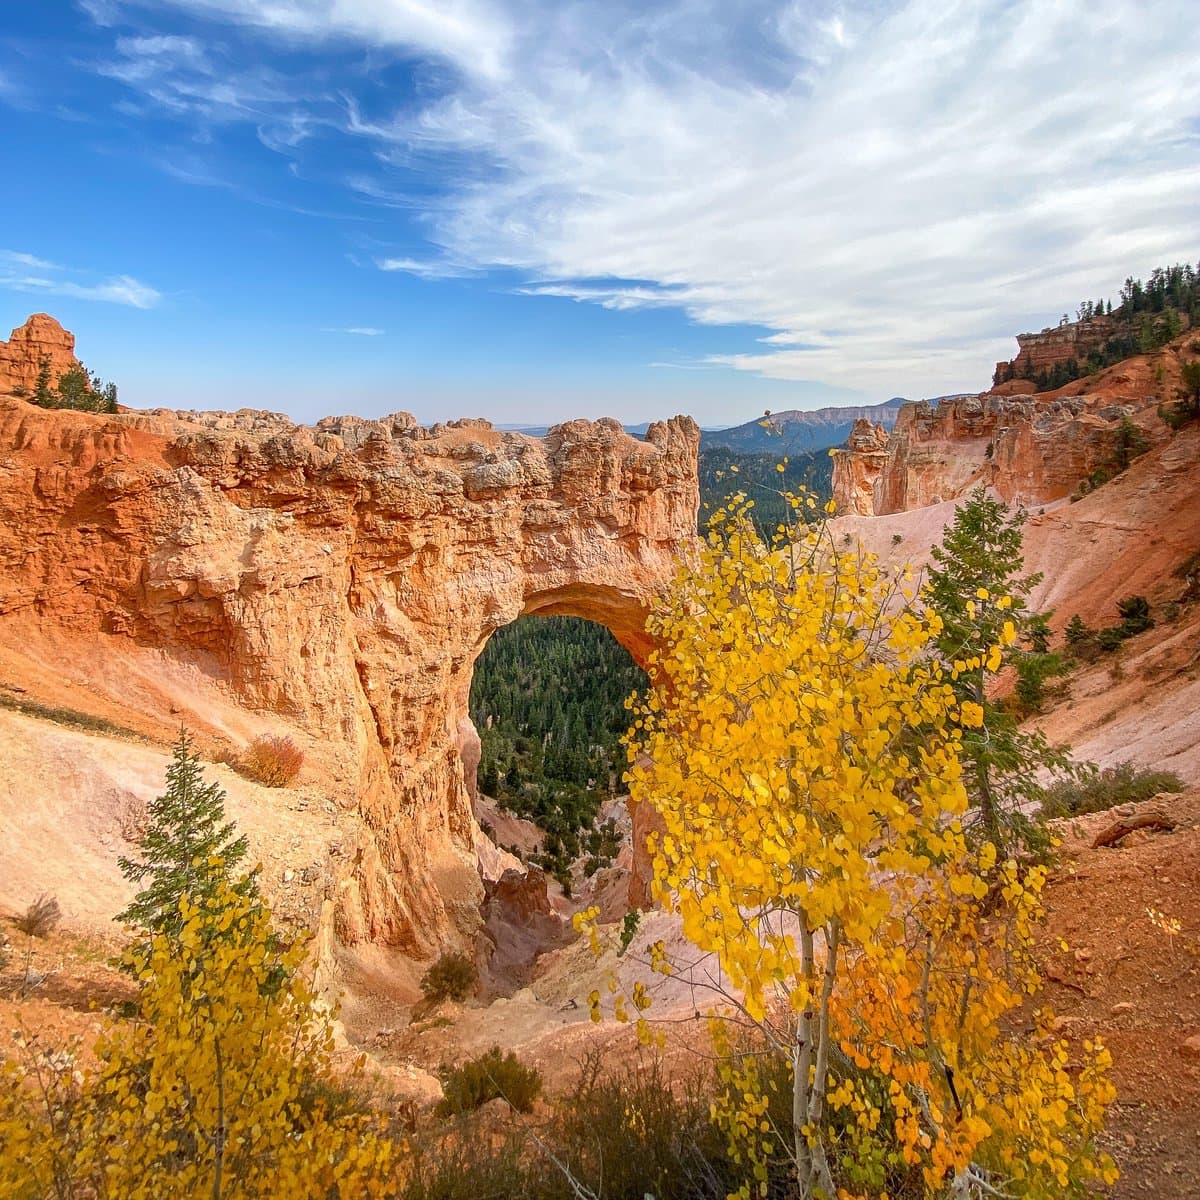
1121 978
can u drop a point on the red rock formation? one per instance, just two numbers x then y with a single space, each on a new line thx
41 337
857 467
343 578
1030 449
1040 352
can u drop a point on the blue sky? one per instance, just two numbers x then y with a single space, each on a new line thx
531 211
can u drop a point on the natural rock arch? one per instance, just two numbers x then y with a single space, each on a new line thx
345 578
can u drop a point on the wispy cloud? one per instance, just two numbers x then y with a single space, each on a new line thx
421 268
887 188
18 259
16 275
620 297
357 330
474 35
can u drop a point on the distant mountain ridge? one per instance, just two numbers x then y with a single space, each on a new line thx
794 430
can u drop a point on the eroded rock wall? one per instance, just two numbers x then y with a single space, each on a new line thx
1029 449
344 577
40 338
857 466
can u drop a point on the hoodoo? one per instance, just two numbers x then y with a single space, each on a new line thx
40 340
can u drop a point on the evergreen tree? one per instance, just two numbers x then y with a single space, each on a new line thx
1190 392
977 588
1129 443
43 393
188 848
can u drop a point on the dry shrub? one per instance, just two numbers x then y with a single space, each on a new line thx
452 977
272 760
131 819
40 918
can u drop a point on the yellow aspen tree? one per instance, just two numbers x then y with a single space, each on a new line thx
219 1088
801 747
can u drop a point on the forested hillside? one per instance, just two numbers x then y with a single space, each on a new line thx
548 699
724 472
1146 316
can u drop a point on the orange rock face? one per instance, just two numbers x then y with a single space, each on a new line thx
343 578
1030 449
41 337
1038 352
857 467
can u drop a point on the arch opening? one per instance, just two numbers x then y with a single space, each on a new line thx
547 699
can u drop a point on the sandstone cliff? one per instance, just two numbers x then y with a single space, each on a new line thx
40 338
857 467
1030 449
338 582
1039 352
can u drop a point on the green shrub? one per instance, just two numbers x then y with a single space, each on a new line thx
1033 670
629 928
1110 638
76 389
626 1131
1096 790
1176 416
1135 615
452 977
490 1076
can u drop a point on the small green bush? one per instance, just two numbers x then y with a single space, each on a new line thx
76 389
629 928
1096 790
491 1076
1077 632
452 977
1033 670
1135 615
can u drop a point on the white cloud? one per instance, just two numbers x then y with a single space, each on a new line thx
357 330
890 189
618 297
19 259
54 280
927 180
472 34
421 268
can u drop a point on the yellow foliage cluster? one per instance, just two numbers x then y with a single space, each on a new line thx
801 747
217 1089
